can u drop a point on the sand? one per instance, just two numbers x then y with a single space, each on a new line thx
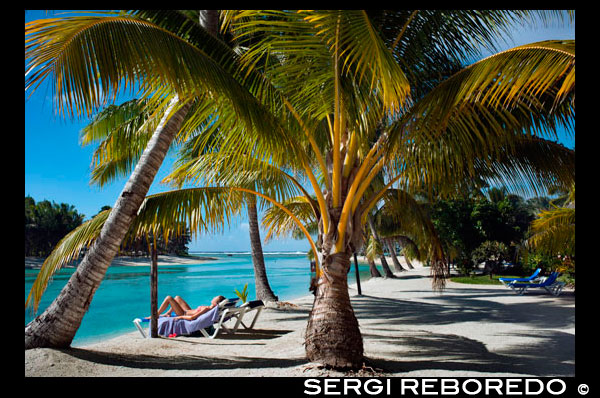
408 331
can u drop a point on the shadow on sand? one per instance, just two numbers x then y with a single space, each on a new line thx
179 362
551 353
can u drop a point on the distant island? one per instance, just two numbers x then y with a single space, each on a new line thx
163 259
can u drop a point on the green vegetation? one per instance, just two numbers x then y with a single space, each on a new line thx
344 104
243 295
46 223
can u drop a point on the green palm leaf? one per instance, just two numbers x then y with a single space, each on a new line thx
65 251
126 52
279 224
207 210
513 81
554 232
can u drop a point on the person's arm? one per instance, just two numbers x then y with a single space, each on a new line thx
193 315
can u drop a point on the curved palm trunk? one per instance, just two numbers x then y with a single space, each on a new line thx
404 241
397 264
373 268
408 262
263 289
57 326
386 268
332 335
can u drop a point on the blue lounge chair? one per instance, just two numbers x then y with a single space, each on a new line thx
507 281
550 284
215 318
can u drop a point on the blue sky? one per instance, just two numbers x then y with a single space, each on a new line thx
57 167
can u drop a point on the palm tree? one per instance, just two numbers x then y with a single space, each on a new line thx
330 99
49 48
343 96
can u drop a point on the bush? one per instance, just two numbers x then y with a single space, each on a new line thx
492 254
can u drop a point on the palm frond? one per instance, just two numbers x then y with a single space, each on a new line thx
236 171
202 210
93 58
122 133
65 251
373 248
519 78
279 224
553 232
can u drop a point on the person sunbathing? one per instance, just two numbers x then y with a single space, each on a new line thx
183 309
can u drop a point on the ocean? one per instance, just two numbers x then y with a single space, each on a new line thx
124 294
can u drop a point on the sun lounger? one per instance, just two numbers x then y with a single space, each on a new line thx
550 284
248 308
507 281
215 318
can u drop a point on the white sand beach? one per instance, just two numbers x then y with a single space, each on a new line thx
408 331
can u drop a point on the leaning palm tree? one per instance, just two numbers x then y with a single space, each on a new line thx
89 59
329 99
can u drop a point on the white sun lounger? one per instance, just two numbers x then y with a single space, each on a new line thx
247 308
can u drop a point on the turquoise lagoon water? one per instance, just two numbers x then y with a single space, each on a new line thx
124 294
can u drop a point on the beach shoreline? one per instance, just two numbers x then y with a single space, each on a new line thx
408 330
36 262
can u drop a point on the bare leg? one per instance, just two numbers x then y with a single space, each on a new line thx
184 306
169 301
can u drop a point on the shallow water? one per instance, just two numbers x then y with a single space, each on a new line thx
124 294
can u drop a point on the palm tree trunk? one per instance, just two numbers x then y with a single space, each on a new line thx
154 292
357 274
386 268
263 289
407 259
57 326
397 264
373 268
332 335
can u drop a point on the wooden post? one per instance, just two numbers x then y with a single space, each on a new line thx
357 276
154 293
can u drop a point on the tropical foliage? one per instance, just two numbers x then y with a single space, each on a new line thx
324 103
46 223
551 244
492 254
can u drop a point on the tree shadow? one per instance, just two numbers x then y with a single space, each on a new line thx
179 362
552 355
476 307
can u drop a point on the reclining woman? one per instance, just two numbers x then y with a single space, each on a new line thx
183 309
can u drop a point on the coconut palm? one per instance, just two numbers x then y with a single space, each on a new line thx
329 99
82 80
343 94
